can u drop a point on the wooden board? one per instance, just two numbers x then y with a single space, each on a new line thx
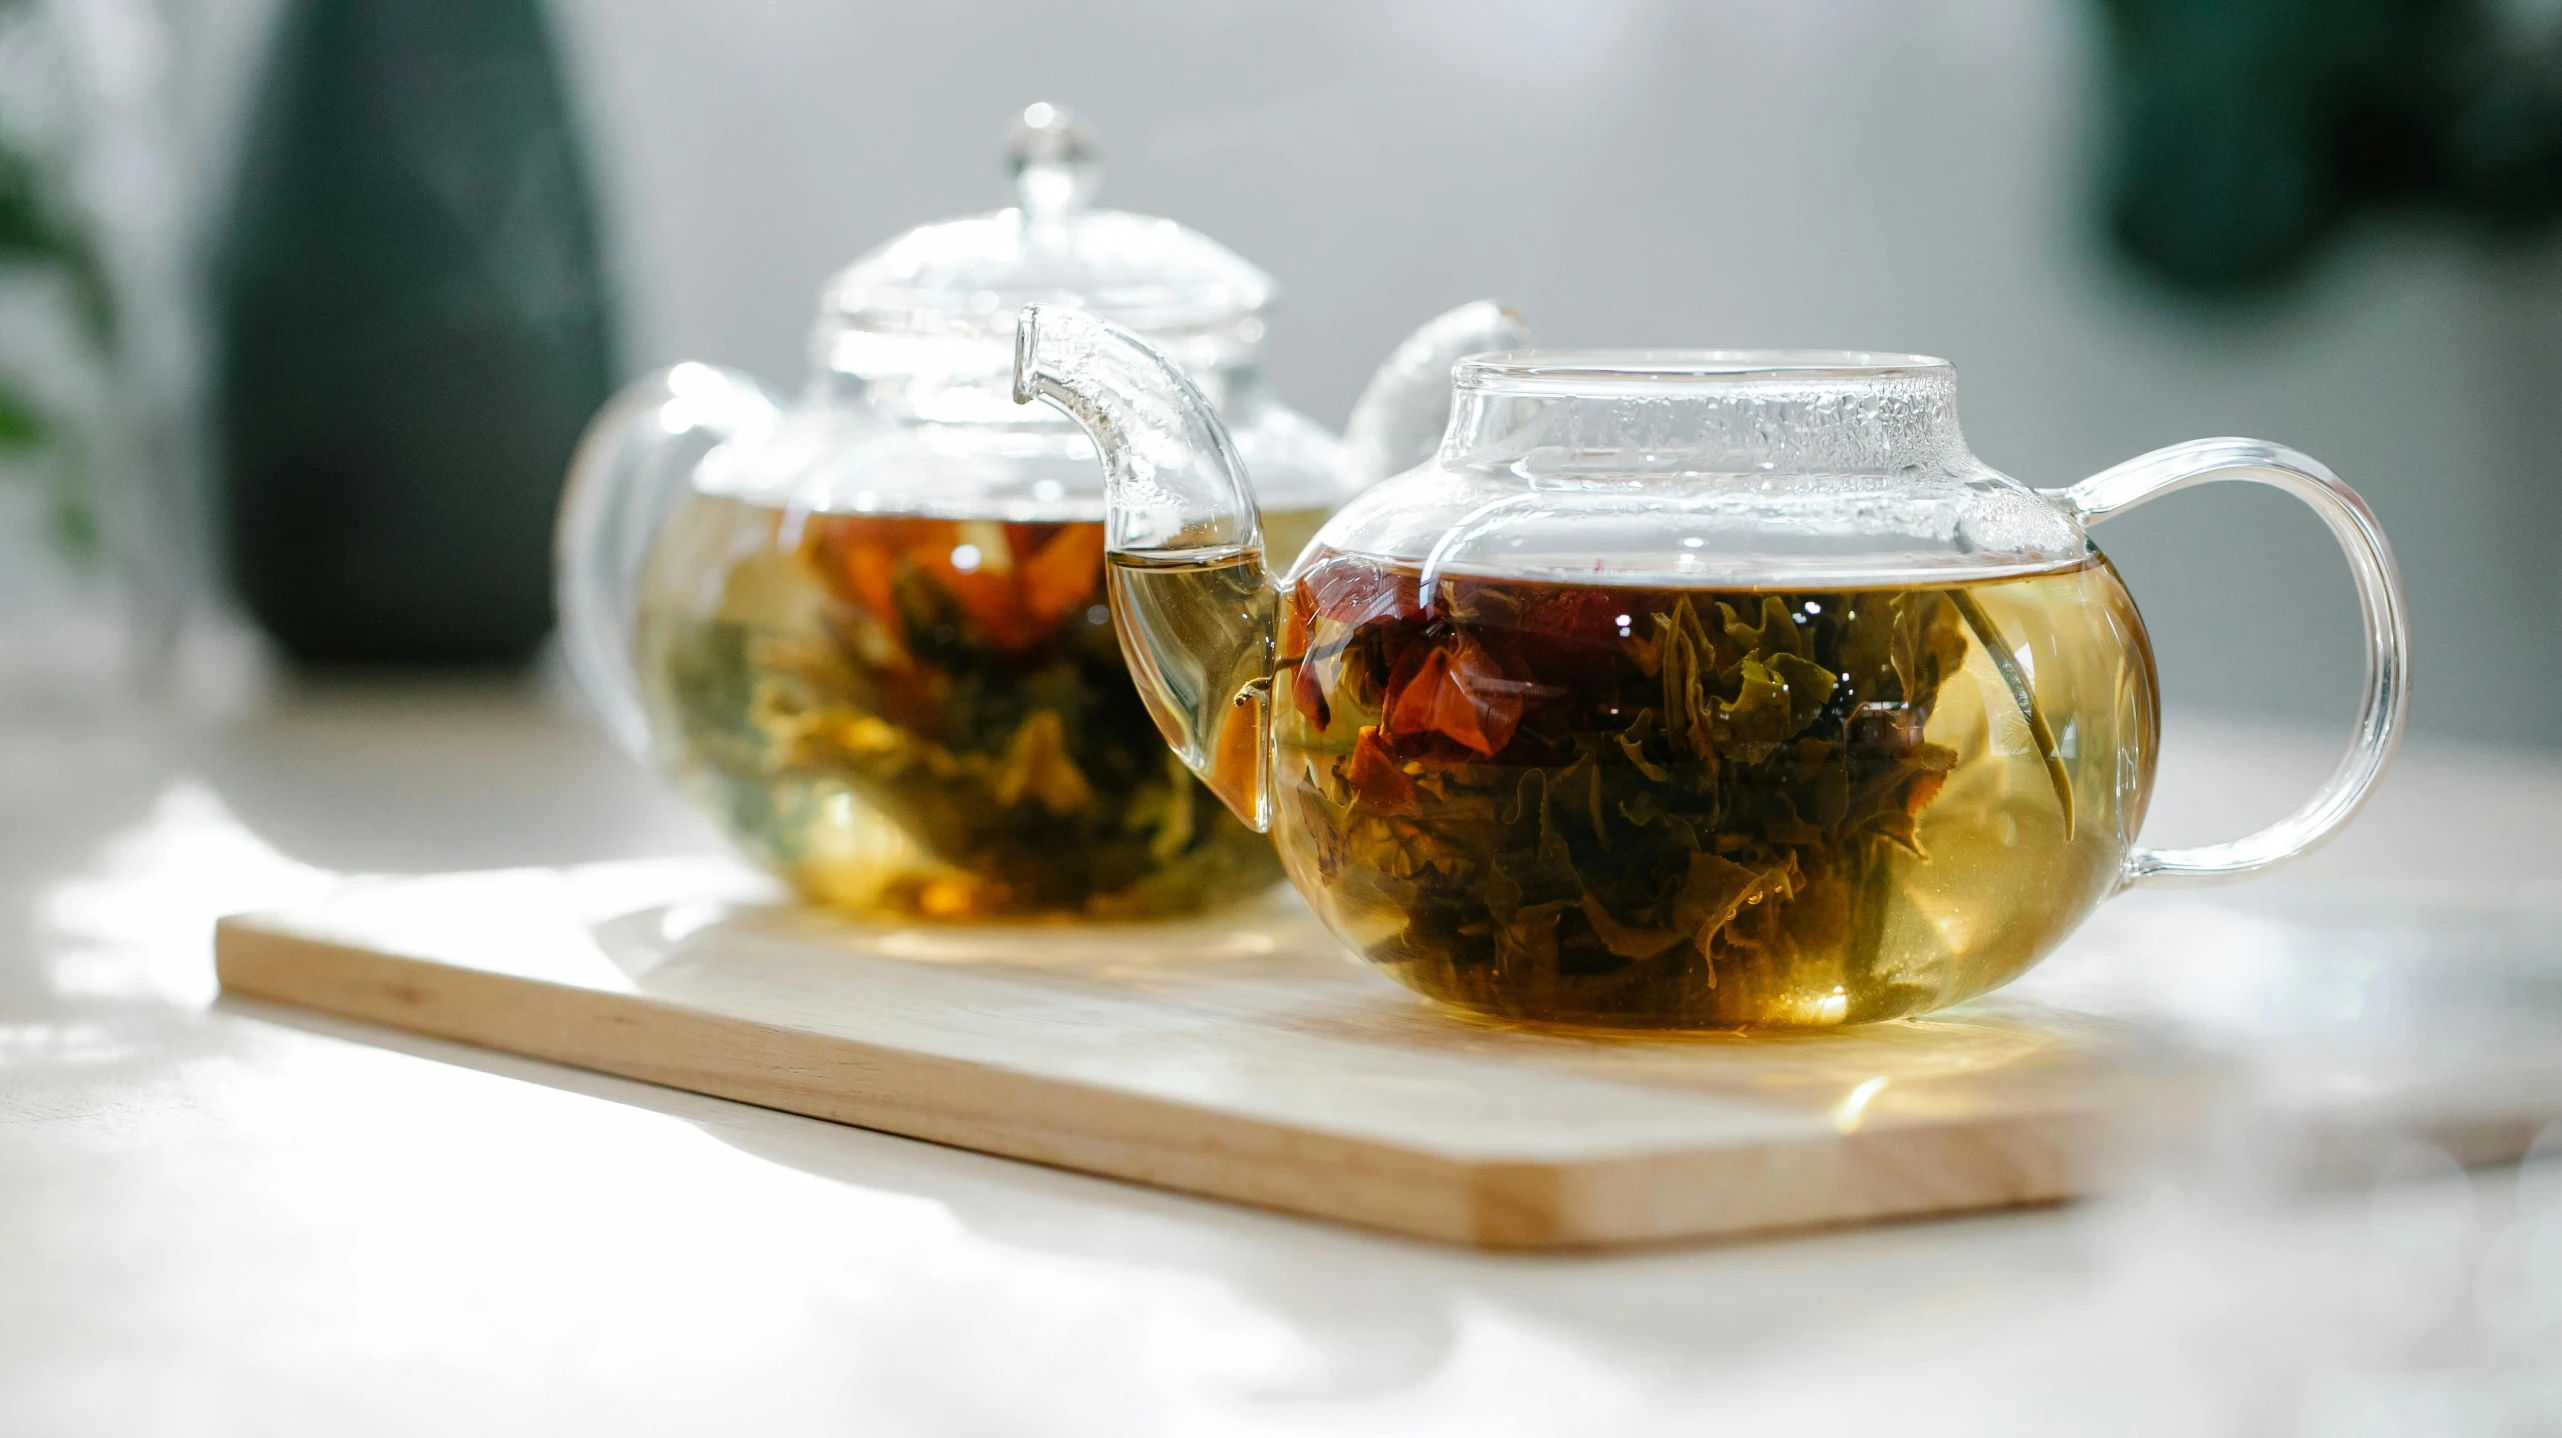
1248 1058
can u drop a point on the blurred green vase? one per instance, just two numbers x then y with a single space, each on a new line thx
413 332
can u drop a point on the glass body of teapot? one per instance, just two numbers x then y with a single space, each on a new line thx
1678 690
868 632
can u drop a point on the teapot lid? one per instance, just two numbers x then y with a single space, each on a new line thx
970 277
1708 468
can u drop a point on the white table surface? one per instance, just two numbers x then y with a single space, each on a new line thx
222 1218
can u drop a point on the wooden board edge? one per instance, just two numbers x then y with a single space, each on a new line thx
1601 1203
956 1102
1940 1170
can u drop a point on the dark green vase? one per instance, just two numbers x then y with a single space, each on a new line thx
414 331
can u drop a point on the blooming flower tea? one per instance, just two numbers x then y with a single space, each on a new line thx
1638 807
927 717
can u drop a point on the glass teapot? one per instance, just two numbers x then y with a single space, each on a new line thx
1678 690
866 631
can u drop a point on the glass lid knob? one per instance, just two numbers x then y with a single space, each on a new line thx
1053 163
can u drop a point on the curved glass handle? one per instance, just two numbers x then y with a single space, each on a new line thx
2380 604
1397 422
630 468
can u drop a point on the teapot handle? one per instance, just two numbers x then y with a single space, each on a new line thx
2381 604
630 468
1397 422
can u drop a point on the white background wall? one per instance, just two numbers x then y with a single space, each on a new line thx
1891 174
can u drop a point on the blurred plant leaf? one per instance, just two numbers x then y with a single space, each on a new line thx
2244 132
37 233
22 426
34 232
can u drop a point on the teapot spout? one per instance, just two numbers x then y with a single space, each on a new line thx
1192 601
1397 422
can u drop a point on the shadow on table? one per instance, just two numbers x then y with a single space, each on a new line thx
1369 1312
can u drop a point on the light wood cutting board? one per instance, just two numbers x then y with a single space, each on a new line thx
1247 1059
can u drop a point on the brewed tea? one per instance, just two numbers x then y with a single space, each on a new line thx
929 717
1637 807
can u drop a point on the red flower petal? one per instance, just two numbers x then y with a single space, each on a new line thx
1063 576
1460 693
1377 783
1309 695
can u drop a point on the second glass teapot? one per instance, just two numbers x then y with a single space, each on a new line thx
867 631
1677 690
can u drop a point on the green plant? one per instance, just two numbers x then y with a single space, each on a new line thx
38 232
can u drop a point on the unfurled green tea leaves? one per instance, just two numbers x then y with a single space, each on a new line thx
1692 807
928 717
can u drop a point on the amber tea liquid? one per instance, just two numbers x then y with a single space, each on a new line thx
1675 807
928 717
